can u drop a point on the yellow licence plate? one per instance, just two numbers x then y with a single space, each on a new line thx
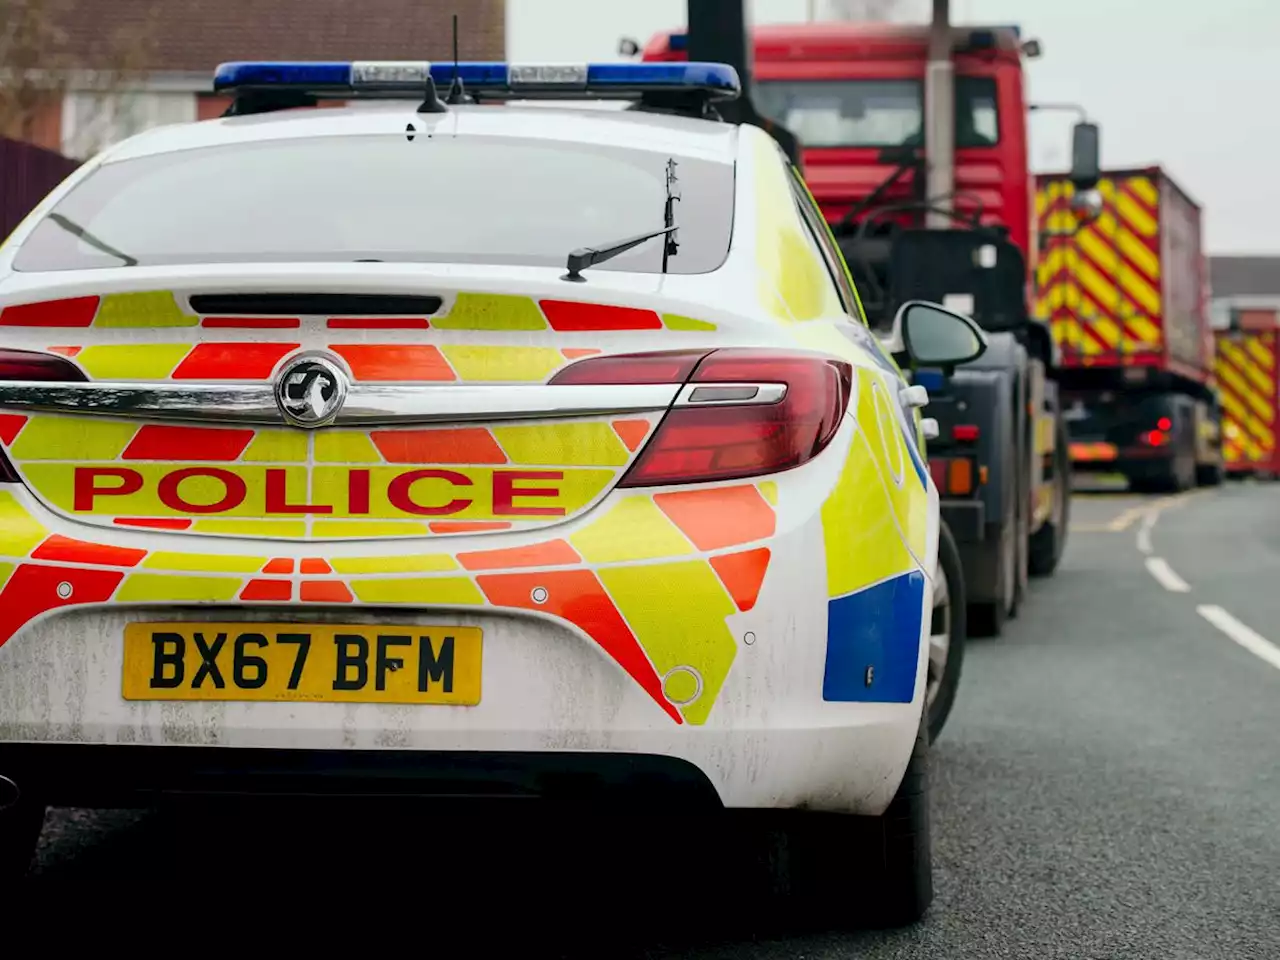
319 663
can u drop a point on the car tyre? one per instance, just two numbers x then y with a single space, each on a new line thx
946 635
837 870
20 826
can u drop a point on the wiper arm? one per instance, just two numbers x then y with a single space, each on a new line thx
585 257
670 248
81 233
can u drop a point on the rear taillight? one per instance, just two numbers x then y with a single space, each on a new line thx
30 365
965 432
743 413
46 367
1155 438
953 476
668 366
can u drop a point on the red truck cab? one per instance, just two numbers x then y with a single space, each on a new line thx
853 94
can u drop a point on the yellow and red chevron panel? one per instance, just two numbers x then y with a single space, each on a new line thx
328 484
1100 286
494 312
1245 365
651 580
456 354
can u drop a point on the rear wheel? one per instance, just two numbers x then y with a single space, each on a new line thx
20 825
843 870
946 635
987 619
1209 475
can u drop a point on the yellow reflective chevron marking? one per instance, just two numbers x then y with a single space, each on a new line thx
139 587
674 321
492 311
57 437
153 308
503 363
132 361
203 562
345 446
887 444
289 529
677 612
570 444
863 544
277 446
791 275
417 563
633 529
446 591
19 531
368 528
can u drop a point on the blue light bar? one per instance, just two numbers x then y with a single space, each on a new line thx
714 81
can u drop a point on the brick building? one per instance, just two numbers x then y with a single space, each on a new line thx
184 40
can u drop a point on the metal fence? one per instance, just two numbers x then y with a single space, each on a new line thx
27 174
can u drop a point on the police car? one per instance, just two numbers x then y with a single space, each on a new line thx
548 439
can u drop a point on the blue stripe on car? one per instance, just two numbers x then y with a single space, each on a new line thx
874 635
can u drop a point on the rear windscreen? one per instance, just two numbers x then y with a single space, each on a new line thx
438 199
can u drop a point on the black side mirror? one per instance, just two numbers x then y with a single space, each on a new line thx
1086 157
933 336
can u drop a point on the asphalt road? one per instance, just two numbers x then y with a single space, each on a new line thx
1108 787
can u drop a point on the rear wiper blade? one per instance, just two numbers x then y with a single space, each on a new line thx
81 233
585 257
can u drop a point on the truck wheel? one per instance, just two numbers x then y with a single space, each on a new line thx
842 870
1048 543
946 635
20 826
987 618
1209 475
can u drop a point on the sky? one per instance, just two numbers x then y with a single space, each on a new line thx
1185 84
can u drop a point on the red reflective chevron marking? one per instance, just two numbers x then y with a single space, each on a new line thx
33 590
580 598
156 442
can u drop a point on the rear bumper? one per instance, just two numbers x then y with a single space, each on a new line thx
1132 462
115 775
547 693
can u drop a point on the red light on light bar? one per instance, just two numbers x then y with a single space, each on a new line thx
965 432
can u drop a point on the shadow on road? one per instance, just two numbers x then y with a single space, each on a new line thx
503 883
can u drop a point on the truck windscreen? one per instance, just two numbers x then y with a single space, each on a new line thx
875 113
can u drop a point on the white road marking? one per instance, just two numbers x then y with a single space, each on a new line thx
1255 643
1159 568
1144 531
